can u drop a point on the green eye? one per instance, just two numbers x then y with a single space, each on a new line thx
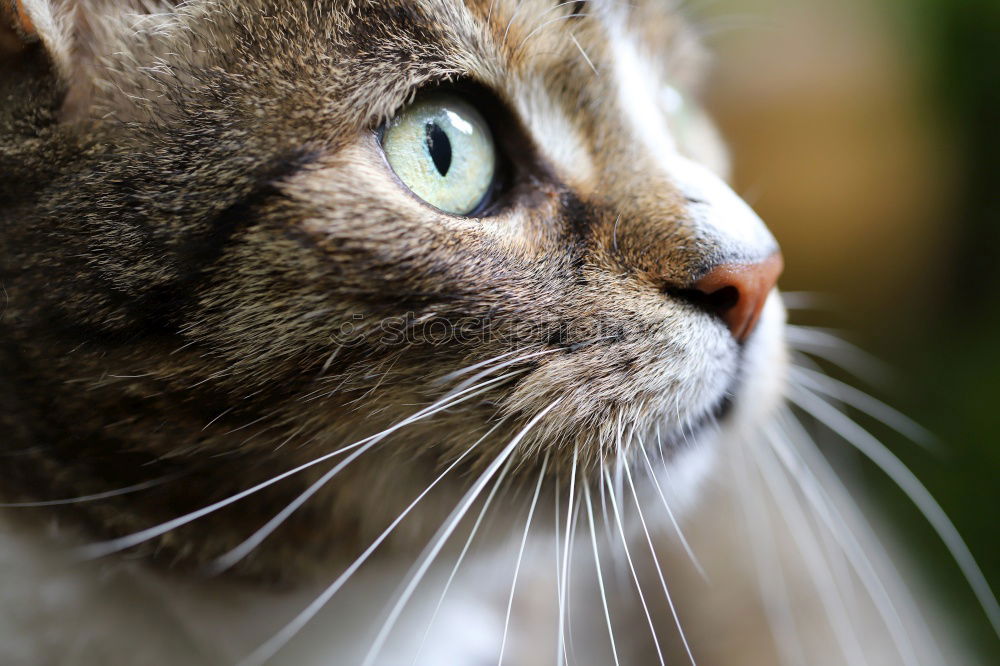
442 149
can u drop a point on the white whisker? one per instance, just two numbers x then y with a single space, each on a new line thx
449 526
828 346
635 578
816 564
597 567
101 549
570 646
602 491
510 22
475 366
656 564
225 562
279 640
461 556
912 487
584 54
500 366
561 647
861 401
538 28
520 556
659 444
670 515
771 583
826 509
557 543
145 485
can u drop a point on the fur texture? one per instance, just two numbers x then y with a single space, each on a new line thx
194 209
220 212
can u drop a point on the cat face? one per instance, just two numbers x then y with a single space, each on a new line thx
264 231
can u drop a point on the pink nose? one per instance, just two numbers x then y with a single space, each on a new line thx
737 292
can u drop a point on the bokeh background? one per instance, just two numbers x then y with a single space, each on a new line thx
867 134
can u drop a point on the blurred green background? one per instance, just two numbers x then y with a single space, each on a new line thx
867 135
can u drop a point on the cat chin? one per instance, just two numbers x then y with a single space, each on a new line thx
760 392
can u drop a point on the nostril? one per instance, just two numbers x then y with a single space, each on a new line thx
736 293
716 302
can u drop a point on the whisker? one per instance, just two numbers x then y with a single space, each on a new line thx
815 562
461 555
451 523
670 514
225 562
804 300
510 22
606 487
543 25
279 640
104 548
561 647
659 443
602 491
635 578
793 459
771 581
475 366
520 556
850 357
557 543
656 563
901 475
570 645
584 54
145 485
597 567
618 487
517 11
473 379
863 402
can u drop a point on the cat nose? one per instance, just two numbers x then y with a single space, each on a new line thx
736 293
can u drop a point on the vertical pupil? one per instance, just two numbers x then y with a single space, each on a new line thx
439 147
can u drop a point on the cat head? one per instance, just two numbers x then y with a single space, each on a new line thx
239 236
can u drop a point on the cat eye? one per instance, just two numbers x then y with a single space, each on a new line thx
442 149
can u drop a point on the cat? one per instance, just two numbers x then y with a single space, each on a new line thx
425 332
